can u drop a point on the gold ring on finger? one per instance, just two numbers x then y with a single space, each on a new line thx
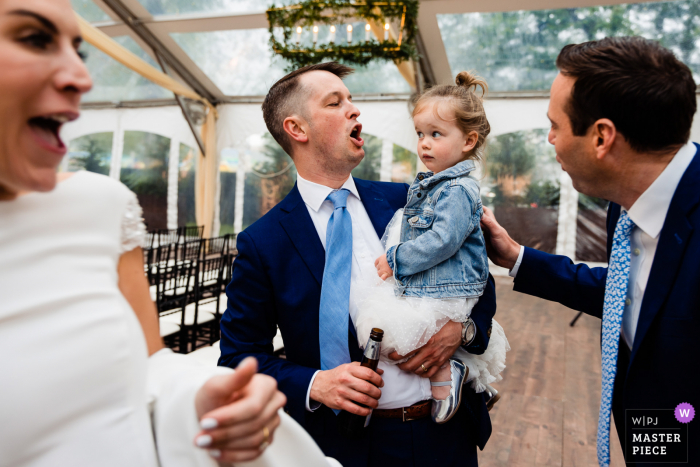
266 439
425 370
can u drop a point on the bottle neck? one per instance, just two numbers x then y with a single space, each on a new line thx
373 349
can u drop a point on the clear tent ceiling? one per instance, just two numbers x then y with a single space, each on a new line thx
225 43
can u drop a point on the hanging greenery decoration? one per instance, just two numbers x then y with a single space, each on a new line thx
344 44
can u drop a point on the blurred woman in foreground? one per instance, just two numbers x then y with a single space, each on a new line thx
84 377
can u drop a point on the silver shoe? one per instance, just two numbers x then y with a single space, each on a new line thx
444 410
492 397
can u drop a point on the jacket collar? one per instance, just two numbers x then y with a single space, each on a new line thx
300 229
673 240
314 194
430 179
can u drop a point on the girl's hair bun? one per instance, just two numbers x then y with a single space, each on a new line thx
467 80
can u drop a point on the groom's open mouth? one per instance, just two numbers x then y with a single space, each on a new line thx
355 135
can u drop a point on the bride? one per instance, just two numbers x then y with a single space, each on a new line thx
85 378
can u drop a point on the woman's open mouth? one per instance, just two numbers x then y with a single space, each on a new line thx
46 130
355 135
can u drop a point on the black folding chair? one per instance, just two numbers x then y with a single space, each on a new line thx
168 236
191 232
175 281
207 299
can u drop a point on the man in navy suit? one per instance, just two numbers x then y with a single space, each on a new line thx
278 279
621 111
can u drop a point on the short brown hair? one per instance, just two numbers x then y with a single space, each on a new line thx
636 83
283 99
467 106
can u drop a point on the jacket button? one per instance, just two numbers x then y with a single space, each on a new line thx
420 177
419 195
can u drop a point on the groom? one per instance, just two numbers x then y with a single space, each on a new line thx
287 275
621 111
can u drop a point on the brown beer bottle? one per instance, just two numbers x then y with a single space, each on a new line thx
349 424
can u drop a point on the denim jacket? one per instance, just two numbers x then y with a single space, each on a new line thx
442 253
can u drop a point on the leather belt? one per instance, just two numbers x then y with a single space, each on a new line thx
414 412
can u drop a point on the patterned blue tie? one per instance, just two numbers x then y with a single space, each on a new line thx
333 320
614 305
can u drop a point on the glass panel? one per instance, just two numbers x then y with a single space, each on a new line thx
517 50
522 187
115 82
185 186
272 177
403 167
591 231
172 7
370 166
145 171
90 152
241 64
227 202
89 11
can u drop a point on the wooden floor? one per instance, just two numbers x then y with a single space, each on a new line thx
548 412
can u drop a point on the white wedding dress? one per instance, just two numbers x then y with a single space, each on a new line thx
77 387
409 322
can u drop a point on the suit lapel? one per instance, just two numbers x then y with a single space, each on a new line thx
376 204
301 231
673 240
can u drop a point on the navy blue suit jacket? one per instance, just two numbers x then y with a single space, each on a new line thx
277 282
658 373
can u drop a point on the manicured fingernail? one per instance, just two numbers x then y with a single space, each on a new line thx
203 441
215 453
208 423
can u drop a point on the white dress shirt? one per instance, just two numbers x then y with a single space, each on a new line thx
401 388
648 214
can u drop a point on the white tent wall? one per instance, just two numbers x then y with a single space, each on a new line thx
164 121
388 120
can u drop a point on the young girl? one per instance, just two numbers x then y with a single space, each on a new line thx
435 267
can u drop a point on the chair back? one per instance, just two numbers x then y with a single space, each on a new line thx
175 280
168 236
190 232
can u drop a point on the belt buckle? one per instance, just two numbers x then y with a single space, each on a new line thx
405 418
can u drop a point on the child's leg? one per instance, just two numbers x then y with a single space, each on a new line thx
443 374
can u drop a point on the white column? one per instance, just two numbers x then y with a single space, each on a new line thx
386 161
173 167
117 148
216 225
568 212
240 193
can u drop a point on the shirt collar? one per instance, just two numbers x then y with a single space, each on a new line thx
650 209
314 194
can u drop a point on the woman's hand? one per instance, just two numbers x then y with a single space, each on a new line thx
238 413
383 269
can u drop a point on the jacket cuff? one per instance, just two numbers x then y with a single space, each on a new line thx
391 258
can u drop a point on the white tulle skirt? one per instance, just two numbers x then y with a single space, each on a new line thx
409 322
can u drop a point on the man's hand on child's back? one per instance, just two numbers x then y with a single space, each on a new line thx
383 269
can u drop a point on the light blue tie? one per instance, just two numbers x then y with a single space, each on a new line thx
334 314
613 307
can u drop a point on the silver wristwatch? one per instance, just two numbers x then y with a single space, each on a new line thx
468 332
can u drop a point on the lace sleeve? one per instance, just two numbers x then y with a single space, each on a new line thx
133 228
